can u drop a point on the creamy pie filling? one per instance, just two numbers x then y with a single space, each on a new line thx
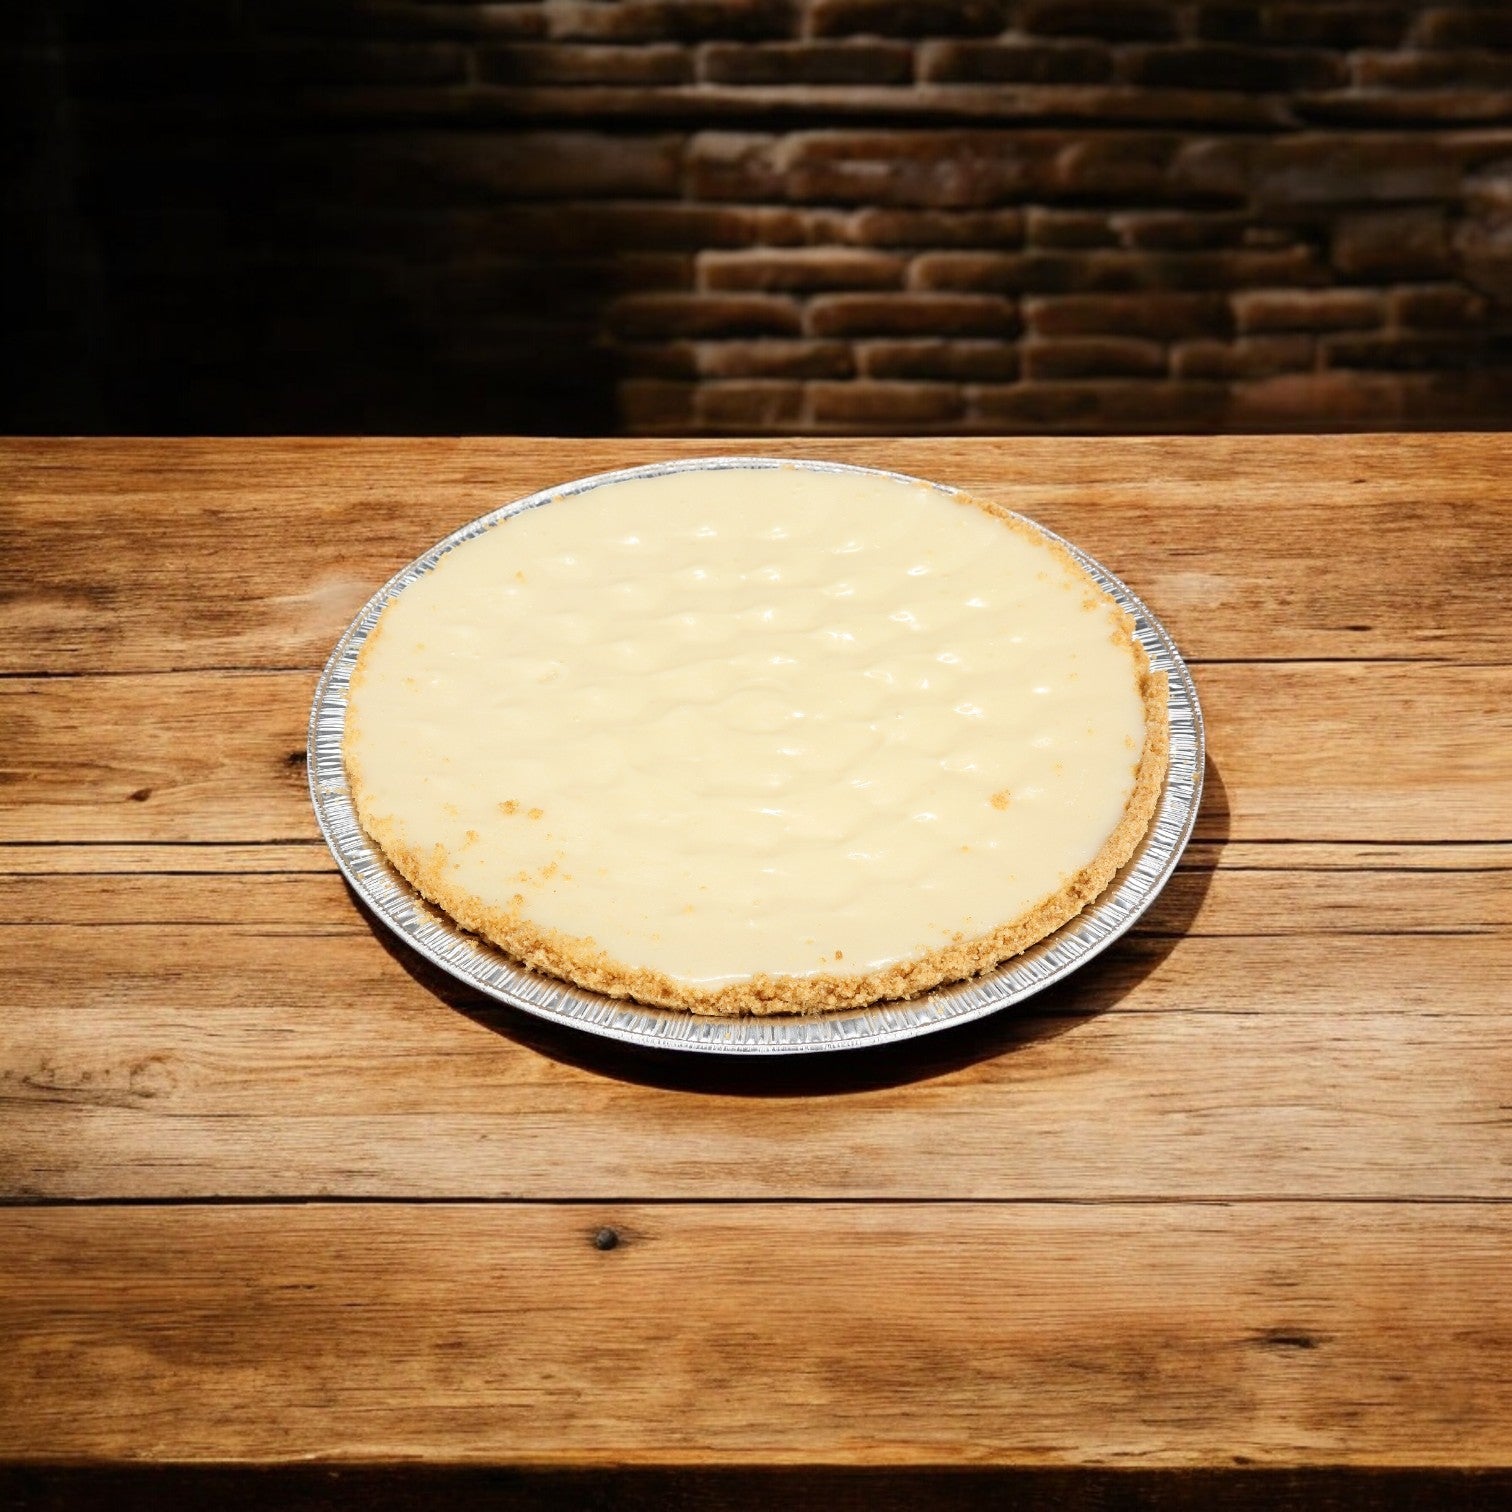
757 739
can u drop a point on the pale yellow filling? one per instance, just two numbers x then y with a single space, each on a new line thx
750 722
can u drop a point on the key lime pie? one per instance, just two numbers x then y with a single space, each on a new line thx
750 739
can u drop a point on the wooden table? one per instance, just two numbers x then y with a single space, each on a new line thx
1236 1198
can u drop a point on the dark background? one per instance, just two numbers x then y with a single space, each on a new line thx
737 216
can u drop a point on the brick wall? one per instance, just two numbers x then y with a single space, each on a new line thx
741 216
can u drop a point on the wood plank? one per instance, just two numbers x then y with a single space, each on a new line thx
1195 902
1140 1335
213 756
1345 751
44 859
1247 547
1309 751
1239 855
205 1062
40 859
137 968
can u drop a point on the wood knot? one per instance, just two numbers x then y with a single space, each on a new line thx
1282 1338
141 795
151 1078
606 1239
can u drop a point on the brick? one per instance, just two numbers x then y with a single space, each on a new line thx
1463 26
1363 400
1433 70
1437 306
1313 23
1403 350
729 165
1373 401
1343 169
800 270
936 228
1184 230
1153 314
1112 20
772 225
911 315
1123 164
869 404
1399 243
906 18
1317 402
1244 68
1378 109
1101 107
1483 239
958 361
1321 25
961 170
656 404
807 63
564 63
654 316
1108 404
1308 309
668 20
1271 238
774 359
1051 407
1068 228
967 272
752 404
1214 169
1014 63
1094 357
1488 191
1101 271
1249 357
780 226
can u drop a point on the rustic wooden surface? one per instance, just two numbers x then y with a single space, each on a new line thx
1238 1194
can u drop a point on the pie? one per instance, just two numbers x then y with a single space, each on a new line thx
750 738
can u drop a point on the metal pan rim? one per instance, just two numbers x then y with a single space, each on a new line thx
434 937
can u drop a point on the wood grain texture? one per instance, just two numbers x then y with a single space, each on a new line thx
1148 1335
175 858
1279 899
1236 1194
283 1050
1241 544
1302 751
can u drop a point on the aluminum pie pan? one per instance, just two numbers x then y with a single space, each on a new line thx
434 936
